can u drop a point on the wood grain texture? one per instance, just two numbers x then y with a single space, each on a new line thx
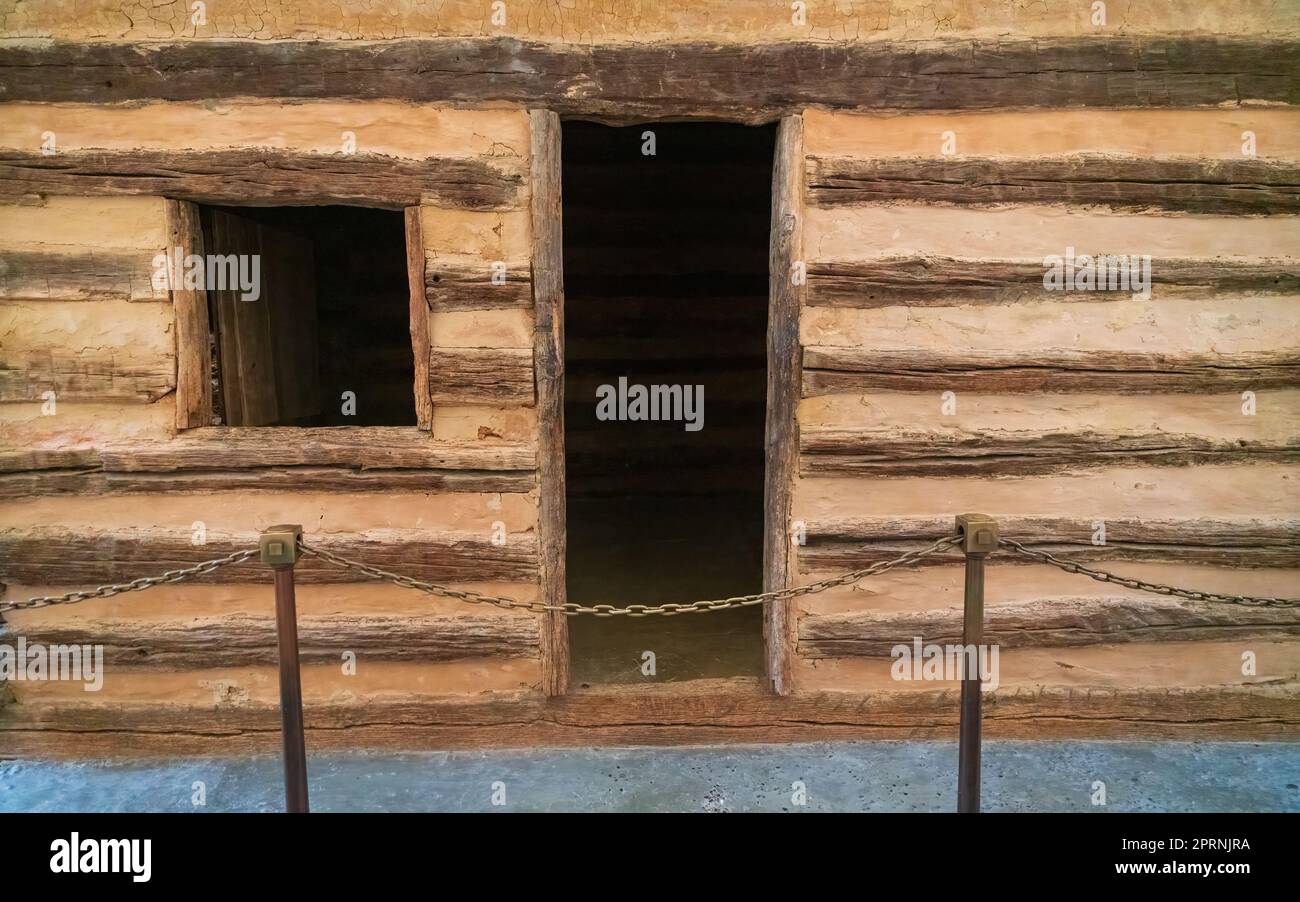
631 82
851 543
1192 186
419 324
52 556
945 281
89 375
694 713
1046 623
193 329
456 286
490 376
345 459
57 274
845 370
359 447
244 640
783 366
262 176
548 361
854 452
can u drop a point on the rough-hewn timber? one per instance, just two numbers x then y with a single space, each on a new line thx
845 370
50 556
746 82
1047 623
492 376
243 640
945 281
848 452
262 176
1192 186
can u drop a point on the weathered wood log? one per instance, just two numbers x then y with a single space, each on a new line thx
548 359
418 326
493 376
844 370
194 365
944 281
458 287
359 447
262 176
96 481
346 459
50 556
698 712
785 300
90 275
88 375
1046 623
1193 186
851 543
844 452
631 82
243 640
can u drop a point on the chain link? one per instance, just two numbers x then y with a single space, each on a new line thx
640 610
1143 585
135 585
634 610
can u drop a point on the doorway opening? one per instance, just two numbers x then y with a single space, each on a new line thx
666 300
315 331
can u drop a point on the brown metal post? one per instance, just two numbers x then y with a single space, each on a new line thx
279 546
979 537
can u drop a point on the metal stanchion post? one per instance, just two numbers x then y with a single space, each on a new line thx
979 537
279 547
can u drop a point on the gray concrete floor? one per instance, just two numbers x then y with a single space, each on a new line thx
845 776
858 776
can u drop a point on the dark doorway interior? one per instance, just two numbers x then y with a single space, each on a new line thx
665 267
332 317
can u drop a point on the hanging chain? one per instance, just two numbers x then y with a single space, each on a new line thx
1143 585
640 610
135 585
633 610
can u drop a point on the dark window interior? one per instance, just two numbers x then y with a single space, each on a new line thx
333 317
665 269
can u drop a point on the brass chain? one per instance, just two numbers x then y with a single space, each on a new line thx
135 585
633 610
1143 585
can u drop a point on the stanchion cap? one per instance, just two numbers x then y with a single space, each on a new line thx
279 545
979 533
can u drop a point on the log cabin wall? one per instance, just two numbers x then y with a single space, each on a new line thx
940 376
112 483
1070 409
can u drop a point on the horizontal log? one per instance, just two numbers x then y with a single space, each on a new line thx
492 376
218 458
852 543
48 556
1046 623
262 176
450 287
92 375
243 640
90 275
96 481
629 82
692 713
945 281
846 452
844 370
359 447
1193 186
